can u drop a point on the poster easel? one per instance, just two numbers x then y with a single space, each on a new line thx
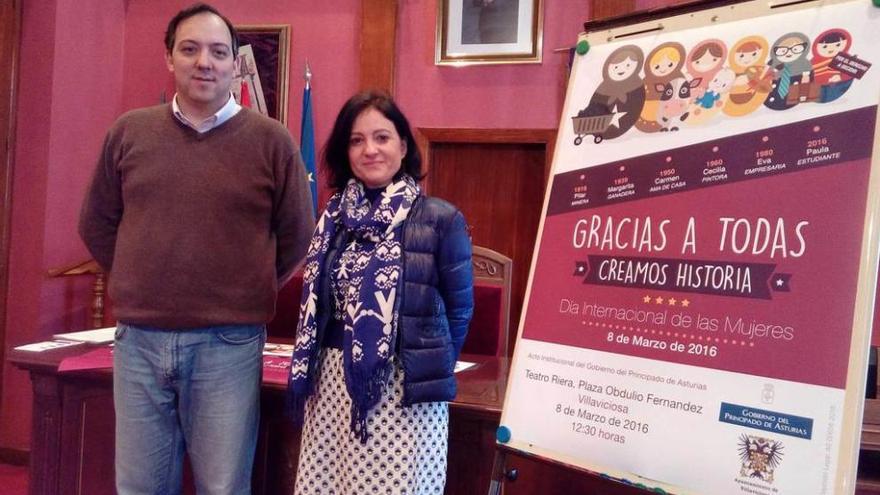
755 374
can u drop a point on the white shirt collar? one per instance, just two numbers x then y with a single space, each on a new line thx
225 113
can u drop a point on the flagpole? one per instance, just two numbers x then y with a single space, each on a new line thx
307 137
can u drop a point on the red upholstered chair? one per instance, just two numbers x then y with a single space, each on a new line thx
489 327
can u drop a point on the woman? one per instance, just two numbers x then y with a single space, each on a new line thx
387 298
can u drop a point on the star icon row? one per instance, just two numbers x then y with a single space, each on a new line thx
669 301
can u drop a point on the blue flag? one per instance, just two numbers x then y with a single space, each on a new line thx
307 144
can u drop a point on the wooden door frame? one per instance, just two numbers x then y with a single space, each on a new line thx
601 9
378 38
10 29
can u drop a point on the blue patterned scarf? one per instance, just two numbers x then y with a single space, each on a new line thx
369 270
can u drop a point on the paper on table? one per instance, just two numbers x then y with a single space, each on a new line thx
96 336
45 346
273 349
463 365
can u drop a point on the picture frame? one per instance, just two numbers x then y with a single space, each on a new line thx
478 32
264 65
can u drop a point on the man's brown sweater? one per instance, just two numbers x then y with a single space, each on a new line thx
196 229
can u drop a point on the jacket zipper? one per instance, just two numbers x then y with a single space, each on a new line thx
401 281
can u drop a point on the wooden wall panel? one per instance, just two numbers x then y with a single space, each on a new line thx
378 36
497 179
499 188
600 9
87 434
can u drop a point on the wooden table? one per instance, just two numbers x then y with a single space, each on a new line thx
73 428
73 423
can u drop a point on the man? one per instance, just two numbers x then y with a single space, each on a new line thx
198 210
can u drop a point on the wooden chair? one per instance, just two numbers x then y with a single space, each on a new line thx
489 327
88 267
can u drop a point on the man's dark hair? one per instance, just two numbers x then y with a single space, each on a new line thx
192 10
336 150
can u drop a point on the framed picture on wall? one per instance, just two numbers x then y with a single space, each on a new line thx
261 80
471 32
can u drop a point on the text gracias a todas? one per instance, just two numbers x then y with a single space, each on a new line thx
773 239
738 236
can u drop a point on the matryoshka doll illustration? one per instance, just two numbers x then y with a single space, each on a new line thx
792 72
662 66
705 62
833 82
617 102
754 79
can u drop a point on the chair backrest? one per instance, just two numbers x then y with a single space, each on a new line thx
488 333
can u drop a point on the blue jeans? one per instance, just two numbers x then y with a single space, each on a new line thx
195 390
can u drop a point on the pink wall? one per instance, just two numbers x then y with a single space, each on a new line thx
69 92
86 98
26 235
500 96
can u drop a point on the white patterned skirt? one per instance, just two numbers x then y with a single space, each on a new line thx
405 454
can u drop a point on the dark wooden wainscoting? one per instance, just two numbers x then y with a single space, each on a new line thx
10 26
497 178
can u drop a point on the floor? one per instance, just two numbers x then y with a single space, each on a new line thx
13 480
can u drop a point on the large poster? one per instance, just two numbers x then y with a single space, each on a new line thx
693 314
